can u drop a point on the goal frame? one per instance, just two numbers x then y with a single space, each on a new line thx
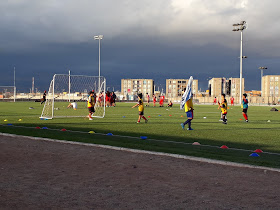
52 90
14 92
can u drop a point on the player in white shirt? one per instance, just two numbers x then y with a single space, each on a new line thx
73 105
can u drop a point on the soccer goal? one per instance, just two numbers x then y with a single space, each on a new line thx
65 89
7 93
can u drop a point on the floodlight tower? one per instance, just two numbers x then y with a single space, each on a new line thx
99 38
240 27
262 68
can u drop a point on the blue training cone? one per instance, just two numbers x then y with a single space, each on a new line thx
254 155
109 134
143 137
44 127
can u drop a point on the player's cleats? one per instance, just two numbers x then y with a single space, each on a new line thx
90 118
138 122
146 121
183 126
221 120
246 121
190 129
224 122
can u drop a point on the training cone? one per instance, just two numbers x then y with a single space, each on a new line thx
258 151
44 127
159 115
149 116
170 115
254 155
19 119
204 117
109 134
268 121
182 116
91 132
63 129
123 116
240 119
5 120
224 147
9 124
143 137
196 143
38 127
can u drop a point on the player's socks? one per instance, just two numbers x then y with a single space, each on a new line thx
144 118
187 122
245 116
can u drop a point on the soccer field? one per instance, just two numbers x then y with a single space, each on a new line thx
163 131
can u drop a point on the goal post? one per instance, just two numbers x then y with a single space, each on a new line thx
65 89
8 93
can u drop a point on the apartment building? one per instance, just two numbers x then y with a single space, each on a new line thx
175 87
270 86
131 87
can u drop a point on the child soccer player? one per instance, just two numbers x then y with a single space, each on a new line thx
170 104
245 107
44 97
73 105
215 101
189 112
232 101
91 103
154 100
148 99
223 107
140 108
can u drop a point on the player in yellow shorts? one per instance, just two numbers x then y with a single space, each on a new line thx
223 106
140 105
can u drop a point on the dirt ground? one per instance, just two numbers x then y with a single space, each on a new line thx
49 175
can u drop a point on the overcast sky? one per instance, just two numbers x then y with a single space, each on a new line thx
155 39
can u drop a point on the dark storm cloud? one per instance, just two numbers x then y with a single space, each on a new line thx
148 39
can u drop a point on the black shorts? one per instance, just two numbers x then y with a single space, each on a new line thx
141 113
91 109
245 111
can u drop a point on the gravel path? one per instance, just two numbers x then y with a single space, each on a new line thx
49 175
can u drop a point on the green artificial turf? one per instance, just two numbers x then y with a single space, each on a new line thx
164 124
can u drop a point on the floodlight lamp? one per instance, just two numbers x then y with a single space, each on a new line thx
242 22
235 29
235 24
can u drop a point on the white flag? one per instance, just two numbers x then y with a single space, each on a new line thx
187 94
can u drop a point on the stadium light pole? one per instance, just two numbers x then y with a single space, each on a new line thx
99 38
262 68
240 27
15 91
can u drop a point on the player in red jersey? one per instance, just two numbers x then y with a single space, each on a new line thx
154 100
232 101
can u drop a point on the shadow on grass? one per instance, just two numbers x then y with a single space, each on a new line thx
173 145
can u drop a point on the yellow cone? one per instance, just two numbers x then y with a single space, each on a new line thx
91 132
5 120
19 119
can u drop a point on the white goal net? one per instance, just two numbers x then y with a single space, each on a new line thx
7 93
66 89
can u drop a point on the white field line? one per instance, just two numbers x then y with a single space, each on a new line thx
205 160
